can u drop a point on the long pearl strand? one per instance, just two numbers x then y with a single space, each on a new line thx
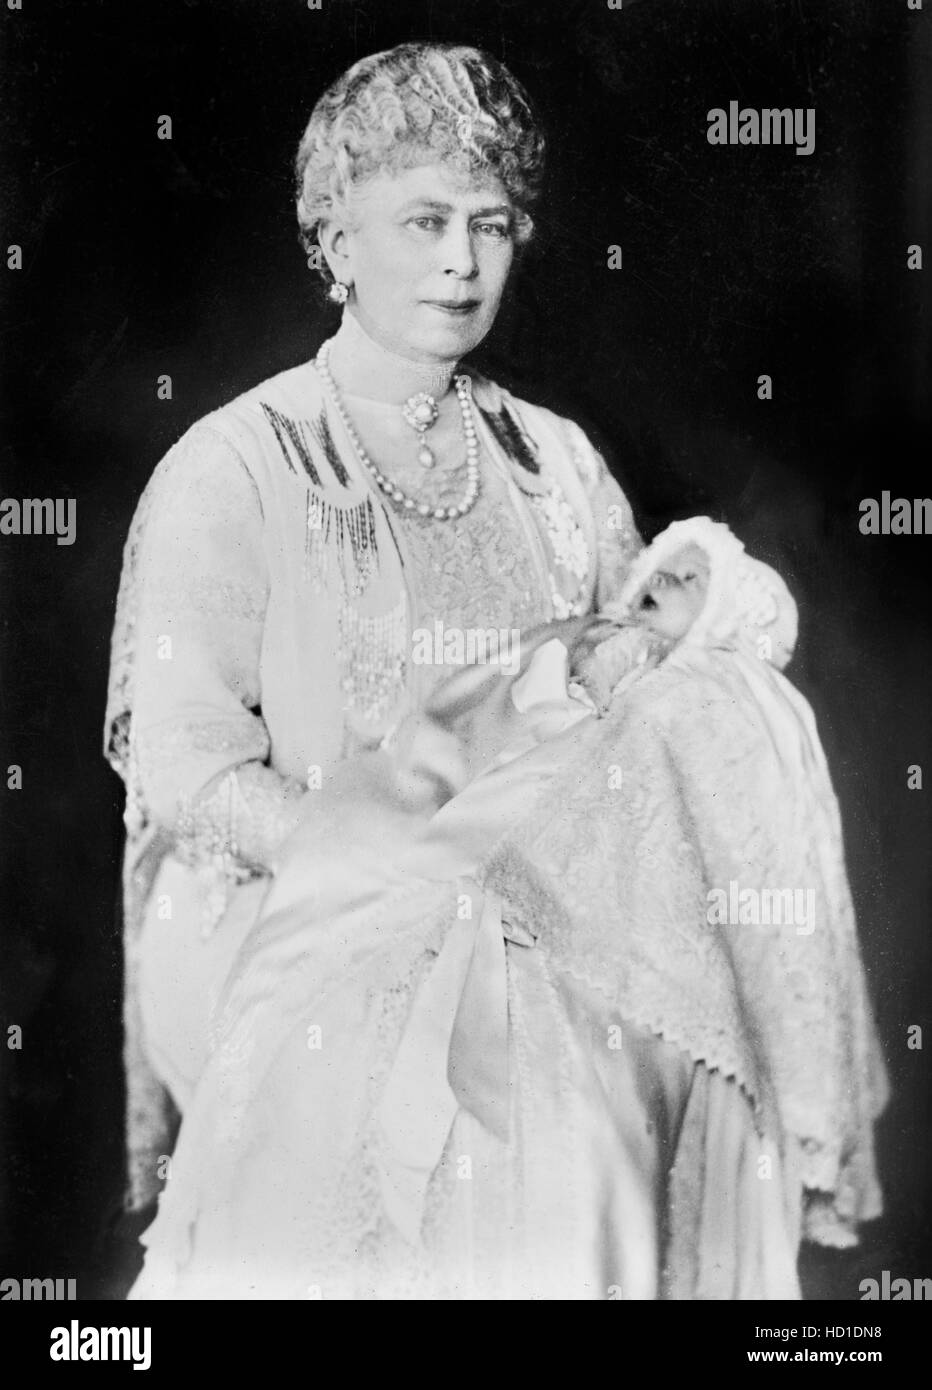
390 488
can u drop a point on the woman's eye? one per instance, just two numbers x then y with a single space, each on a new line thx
493 229
426 223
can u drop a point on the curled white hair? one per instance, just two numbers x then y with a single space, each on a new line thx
417 102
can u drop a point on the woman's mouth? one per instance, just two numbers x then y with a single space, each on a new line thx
457 308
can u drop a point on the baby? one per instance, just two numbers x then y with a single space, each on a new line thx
634 634
690 592
692 589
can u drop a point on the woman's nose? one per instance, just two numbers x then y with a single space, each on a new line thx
459 256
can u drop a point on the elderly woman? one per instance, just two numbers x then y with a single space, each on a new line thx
294 557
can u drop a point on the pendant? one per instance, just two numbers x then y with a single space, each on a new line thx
420 412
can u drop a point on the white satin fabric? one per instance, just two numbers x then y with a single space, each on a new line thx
408 1099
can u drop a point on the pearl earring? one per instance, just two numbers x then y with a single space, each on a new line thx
339 293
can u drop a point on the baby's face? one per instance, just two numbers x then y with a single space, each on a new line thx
672 598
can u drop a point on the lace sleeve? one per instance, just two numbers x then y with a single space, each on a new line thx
199 745
617 538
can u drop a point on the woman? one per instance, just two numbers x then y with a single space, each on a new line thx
271 585
288 558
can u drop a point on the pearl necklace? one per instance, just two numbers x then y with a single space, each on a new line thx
387 486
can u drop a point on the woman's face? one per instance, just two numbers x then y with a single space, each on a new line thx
427 252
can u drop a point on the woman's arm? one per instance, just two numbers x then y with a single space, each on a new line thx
199 743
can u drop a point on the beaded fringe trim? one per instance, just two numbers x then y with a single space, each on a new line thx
513 439
374 658
341 536
320 430
292 436
293 442
341 551
334 534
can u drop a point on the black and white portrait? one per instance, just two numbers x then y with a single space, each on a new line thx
466 652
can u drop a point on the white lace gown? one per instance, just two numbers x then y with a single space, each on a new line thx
630 1161
325 1157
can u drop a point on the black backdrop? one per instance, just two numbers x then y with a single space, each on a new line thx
142 257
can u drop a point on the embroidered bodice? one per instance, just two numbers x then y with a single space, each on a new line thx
475 575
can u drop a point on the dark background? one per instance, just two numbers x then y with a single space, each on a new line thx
143 257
